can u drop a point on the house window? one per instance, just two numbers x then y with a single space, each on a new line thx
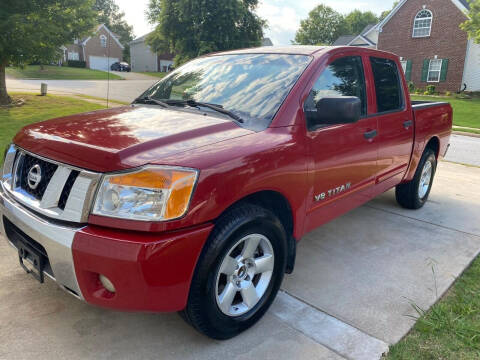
73 56
103 41
422 25
434 69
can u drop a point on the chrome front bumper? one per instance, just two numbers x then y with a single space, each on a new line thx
56 239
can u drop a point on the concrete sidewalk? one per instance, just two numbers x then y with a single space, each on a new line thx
349 297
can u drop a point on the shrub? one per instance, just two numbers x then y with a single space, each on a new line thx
448 93
418 91
430 89
76 64
411 87
426 93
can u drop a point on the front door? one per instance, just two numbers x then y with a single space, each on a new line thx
343 156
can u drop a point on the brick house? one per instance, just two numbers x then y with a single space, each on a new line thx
433 48
99 50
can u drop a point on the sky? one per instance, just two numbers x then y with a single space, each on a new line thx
283 16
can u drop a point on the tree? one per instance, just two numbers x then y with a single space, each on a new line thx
34 31
323 26
190 28
153 11
356 21
385 13
109 14
472 25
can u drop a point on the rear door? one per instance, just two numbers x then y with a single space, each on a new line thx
395 121
344 156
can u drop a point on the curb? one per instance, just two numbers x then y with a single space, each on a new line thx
463 133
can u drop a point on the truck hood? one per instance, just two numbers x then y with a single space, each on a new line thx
125 137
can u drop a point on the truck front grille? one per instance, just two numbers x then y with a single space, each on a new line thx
50 188
46 170
62 202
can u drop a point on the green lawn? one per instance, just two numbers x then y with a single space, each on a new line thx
451 328
37 108
59 73
154 74
466 112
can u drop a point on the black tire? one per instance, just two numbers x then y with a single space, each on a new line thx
202 311
407 194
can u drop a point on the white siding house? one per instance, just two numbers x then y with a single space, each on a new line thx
144 60
471 74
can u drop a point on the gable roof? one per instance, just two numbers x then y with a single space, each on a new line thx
112 35
462 5
140 39
344 40
348 39
367 29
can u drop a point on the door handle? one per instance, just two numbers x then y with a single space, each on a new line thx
407 124
370 134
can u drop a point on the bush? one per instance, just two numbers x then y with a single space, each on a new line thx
411 87
426 93
430 89
76 64
418 91
448 93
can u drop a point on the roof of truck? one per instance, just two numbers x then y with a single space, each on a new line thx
299 50
293 49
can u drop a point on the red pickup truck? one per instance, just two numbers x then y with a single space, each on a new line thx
194 197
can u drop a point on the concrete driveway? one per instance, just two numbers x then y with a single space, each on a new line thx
350 295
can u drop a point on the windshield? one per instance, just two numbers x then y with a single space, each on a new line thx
251 86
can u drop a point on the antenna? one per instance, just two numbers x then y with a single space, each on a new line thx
108 67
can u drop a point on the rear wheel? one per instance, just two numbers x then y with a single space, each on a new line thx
238 274
414 194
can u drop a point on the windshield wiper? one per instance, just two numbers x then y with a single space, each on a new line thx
217 108
150 100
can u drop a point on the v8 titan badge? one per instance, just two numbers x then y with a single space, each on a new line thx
333 192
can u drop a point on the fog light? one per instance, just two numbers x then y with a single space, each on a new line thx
107 284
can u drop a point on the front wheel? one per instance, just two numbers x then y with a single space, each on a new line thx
414 194
238 274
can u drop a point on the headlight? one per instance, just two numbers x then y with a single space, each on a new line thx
152 194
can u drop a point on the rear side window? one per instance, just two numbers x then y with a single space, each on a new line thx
343 77
387 84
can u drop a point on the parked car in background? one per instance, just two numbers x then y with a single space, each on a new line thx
194 197
120 66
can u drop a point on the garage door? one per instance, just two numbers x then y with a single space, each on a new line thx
101 63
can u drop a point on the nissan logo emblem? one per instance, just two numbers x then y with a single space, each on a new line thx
34 176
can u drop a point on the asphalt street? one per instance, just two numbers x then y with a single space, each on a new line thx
464 150
121 90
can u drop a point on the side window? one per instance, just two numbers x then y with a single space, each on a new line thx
387 84
343 77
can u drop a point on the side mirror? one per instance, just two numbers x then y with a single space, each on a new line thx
334 110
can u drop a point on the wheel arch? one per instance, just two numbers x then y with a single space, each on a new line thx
434 145
279 205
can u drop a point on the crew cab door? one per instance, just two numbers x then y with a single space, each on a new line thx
395 122
343 157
